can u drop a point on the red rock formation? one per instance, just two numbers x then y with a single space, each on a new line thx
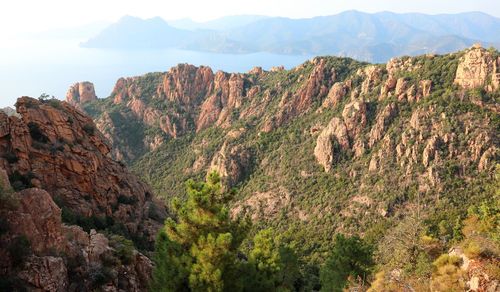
187 84
425 87
53 245
227 95
354 115
475 67
336 94
81 93
62 152
372 75
231 163
314 88
383 120
325 150
56 148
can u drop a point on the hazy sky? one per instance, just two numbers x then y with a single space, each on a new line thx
35 15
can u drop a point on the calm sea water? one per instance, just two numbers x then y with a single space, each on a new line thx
35 67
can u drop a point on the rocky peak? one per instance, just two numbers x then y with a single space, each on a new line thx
187 84
314 88
124 89
227 95
256 70
475 67
81 93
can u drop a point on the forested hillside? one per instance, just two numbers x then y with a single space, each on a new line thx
401 154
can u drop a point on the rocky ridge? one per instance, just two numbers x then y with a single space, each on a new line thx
54 154
188 99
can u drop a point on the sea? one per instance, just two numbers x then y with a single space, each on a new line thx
36 67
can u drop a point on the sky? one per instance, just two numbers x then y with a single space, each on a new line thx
36 15
21 19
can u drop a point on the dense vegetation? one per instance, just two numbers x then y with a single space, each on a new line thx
205 249
399 217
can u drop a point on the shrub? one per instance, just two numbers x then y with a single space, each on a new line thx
12 283
11 157
472 249
350 257
127 200
123 248
19 181
448 275
446 259
8 199
383 282
4 226
89 128
53 102
19 250
36 133
99 275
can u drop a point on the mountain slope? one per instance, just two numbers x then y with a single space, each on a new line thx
332 146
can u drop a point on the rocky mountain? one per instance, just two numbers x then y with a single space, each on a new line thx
131 33
331 146
71 217
221 24
371 37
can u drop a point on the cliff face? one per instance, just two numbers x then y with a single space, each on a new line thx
54 153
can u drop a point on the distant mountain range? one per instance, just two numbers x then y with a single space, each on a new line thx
370 37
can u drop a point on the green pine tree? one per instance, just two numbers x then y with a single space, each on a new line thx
350 257
272 266
197 251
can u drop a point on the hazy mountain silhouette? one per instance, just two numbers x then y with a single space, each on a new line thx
372 37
